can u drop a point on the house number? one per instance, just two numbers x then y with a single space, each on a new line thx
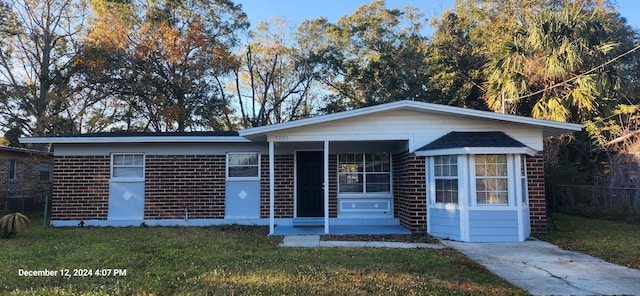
281 138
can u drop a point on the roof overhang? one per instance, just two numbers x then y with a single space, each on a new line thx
134 139
549 128
478 150
25 151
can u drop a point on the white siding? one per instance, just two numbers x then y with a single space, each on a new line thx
418 127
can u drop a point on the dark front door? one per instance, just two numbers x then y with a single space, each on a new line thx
310 176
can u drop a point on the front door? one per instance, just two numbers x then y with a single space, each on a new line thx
309 179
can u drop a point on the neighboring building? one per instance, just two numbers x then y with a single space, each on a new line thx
455 173
25 178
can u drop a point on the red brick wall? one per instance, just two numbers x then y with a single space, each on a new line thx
284 203
173 182
27 181
410 191
81 188
537 201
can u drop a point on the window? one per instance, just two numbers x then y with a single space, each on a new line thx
243 165
523 179
364 172
445 171
127 166
13 168
45 171
491 180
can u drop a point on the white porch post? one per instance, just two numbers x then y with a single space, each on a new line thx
326 187
272 192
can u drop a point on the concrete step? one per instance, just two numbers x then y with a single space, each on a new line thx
308 222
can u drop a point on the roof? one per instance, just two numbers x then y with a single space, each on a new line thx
25 151
472 139
474 143
140 137
550 128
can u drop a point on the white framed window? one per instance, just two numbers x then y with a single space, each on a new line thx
243 166
445 174
523 180
13 169
491 179
364 172
127 166
45 171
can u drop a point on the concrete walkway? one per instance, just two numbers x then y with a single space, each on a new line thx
544 269
538 267
313 241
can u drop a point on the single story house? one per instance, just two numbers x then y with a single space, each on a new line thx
406 166
25 178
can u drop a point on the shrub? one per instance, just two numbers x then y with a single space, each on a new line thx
10 224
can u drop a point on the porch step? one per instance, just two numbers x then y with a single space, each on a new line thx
308 222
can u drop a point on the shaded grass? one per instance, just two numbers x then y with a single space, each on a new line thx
612 241
229 260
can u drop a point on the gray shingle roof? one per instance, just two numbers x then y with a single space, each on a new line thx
152 134
472 139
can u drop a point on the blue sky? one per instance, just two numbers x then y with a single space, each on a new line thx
299 10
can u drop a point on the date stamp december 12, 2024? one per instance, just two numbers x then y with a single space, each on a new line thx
74 272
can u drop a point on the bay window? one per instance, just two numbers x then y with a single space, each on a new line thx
445 170
491 179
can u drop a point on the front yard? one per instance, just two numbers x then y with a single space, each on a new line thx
231 260
613 241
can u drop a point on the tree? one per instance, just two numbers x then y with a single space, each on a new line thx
38 40
276 74
157 62
555 68
376 55
455 65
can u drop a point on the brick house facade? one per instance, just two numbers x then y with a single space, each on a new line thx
24 173
380 163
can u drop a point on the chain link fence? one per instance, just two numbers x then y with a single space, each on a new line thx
597 202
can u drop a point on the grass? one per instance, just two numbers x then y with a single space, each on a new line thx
230 260
612 241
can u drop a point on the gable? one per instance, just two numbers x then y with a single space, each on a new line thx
419 128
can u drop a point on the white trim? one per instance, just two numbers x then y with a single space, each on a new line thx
271 188
473 192
464 200
134 139
550 127
127 179
326 186
226 167
517 168
478 150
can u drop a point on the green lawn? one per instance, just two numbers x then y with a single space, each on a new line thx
230 260
616 242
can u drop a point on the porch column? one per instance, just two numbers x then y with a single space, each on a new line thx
272 192
326 187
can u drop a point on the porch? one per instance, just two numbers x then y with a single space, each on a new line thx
341 187
338 228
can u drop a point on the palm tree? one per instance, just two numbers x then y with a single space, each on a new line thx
544 69
11 223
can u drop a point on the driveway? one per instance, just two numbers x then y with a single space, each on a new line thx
544 269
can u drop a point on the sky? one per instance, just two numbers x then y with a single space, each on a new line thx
299 10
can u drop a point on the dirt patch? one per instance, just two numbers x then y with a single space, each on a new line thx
403 238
